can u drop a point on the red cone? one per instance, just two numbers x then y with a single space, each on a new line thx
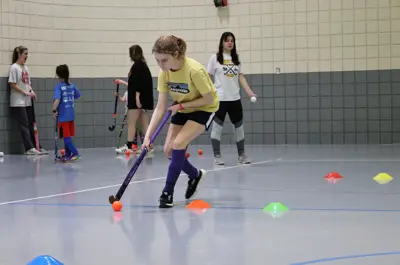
333 175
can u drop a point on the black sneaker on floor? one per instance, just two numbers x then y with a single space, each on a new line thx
166 200
193 183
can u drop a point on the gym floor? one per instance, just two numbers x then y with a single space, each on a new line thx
62 210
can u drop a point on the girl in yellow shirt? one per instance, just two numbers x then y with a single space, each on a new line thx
196 102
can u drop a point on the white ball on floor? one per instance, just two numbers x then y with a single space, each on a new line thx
1 154
253 99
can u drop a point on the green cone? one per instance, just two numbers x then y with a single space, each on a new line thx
276 209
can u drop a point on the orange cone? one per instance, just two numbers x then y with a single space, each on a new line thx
198 204
333 175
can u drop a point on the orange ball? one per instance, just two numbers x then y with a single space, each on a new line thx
128 152
187 155
62 152
117 206
200 152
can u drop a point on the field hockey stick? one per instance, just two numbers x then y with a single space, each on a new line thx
112 127
122 129
57 157
35 128
137 163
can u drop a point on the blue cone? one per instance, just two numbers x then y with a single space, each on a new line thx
45 260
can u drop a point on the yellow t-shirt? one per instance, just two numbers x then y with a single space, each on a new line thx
189 83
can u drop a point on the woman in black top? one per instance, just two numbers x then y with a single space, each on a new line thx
140 95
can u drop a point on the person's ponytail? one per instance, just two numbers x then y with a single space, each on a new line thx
17 52
170 45
181 47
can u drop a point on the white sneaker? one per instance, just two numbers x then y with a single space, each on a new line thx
218 160
243 159
44 151
33 151
122 150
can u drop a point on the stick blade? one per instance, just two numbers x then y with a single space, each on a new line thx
112 199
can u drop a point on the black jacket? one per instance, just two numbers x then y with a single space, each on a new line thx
140 80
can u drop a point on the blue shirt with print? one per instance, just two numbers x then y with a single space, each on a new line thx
67 95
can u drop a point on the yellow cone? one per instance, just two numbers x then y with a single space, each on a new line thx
383 178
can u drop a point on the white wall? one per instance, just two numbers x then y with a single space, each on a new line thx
93 36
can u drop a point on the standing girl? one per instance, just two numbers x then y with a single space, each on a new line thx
21 97
228 73
196 101
139 133
65 94
140 95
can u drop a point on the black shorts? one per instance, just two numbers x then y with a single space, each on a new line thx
233 108
132 104
146 107
201 117
146 101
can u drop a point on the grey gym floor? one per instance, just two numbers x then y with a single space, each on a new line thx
62 210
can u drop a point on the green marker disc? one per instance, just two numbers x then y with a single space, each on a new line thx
276 209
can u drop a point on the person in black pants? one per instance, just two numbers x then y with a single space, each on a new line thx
228 74
21 97
140 96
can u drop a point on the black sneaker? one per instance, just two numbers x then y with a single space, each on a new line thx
193 183
166 200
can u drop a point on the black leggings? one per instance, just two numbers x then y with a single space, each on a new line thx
235 111
233 108
25 118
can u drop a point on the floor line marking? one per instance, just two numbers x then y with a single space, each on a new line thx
132 182
289 160
346 257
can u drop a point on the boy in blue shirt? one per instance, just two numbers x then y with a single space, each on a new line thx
65 94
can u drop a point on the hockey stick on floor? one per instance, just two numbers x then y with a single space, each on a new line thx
137 163
122 129
112 127
35 129
57 156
